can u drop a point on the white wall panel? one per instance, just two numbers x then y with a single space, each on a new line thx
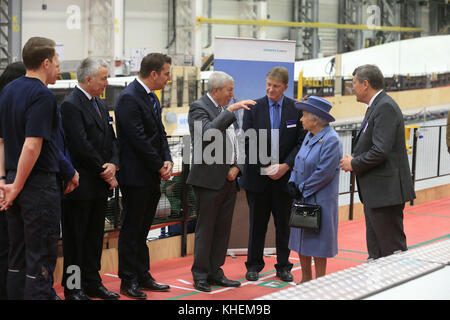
52 23
146 25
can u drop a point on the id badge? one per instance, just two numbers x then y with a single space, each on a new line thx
291 124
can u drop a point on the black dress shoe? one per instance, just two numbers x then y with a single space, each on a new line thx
252 276
285 275
224 282
76 295
132 291
102 293
152 285
202 285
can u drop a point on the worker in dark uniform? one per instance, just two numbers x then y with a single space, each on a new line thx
12 72
32 194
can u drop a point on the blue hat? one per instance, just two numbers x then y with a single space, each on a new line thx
316 105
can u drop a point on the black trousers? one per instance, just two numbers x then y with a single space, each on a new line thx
83 225
384 230
139 208
261 204
4 248
34 228
212 233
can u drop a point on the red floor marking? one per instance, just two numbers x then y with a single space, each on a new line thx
436 207
423 224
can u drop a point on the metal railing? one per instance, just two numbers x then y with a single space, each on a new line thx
427 155
323 86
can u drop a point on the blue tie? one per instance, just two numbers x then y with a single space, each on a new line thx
275 132
276 116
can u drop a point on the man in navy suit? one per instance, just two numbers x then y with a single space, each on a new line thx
265 181
94 153
145 159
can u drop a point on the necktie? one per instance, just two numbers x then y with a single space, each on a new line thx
94 103
230 132
275 132
153 101
276 116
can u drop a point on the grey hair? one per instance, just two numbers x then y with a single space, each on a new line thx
218 79
320 121
89 67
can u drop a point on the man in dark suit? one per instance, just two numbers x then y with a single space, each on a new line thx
93 149
144 159
380 163
213 177
265 180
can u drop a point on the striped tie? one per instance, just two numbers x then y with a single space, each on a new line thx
153 101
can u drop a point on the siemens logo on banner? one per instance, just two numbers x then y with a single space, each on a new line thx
274 50
254 50
249 60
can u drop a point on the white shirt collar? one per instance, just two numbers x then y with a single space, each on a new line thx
231 135
209 96
373 98
143 84
85 93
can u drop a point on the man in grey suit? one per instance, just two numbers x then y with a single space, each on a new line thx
213 176
380 164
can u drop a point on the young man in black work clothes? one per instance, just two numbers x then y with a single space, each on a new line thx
12 72
32 195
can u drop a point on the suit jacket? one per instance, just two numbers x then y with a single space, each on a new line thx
209 121
143 145
91 142
380 161
291 136
66 169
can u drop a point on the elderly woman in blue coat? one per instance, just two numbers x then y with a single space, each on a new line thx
315 179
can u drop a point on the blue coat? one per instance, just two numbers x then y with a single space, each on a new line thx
316 173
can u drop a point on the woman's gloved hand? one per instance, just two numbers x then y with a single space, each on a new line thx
293 191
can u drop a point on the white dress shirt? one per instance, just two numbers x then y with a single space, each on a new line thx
231 135
373 98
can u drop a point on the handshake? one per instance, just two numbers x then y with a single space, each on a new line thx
293 191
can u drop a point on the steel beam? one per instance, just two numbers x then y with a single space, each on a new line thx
270 23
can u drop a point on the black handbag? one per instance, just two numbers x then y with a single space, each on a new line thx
305 216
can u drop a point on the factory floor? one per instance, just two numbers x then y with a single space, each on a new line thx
424 224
